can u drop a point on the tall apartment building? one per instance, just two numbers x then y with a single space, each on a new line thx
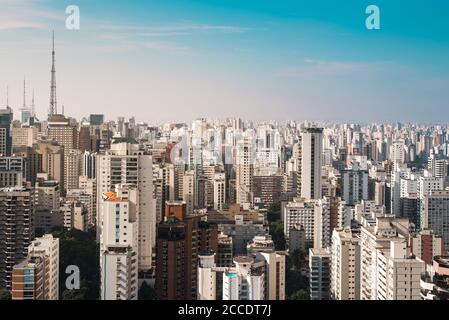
244 166
243 282
425 245
17 229
207 277
311 153
12 171
219 195
345 265
300 212
119 244
320 273
355 185
398 272
125 163
6 116
28 279
273 265
48 247
375 235
268 189
180 238
73 169
47 194
24 137
188 190
52 155
66 135
33 162
436 214
426 184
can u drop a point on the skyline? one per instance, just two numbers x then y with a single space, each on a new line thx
254 60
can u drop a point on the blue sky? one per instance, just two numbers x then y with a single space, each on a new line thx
259 59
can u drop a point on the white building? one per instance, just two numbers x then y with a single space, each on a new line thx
219 184
244 170
124 163
398 272
300 212
119 244
207 277
243 282
48 246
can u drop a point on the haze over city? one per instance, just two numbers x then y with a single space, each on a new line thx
253 59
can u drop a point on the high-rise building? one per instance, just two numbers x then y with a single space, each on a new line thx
24 136
6 116
273 265
219 188
180 238
320 273
52 155
311 153
244 170
244 281
48 247
375 235
268 189
188 190
300 212
17 225
73 169
355 185
47 195
29 279
119 244
345 265
12 171
66 135
436 214
425 245
125 163
398 273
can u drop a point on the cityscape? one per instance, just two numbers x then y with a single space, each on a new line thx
135 207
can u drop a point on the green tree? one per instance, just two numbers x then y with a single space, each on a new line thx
146 292
277 234
5 294
80 249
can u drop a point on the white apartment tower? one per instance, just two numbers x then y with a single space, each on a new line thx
219 190
119 244
125 163
398 272
244 170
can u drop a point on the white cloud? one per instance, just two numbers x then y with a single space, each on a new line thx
26 14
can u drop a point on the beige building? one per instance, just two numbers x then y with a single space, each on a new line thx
24 136
345 265
49 248
398 272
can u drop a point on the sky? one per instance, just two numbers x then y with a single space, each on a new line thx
177 60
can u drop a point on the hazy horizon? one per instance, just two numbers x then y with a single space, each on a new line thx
278 60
